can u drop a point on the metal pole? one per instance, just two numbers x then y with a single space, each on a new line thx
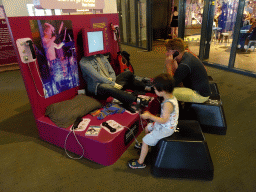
236 33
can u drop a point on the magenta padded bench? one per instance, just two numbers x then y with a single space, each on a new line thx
104 149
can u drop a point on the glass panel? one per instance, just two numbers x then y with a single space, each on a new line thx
133 22
142 24
222 32
39 12
246 54
122 13
48 12
57 11
193 23
31 9
132 32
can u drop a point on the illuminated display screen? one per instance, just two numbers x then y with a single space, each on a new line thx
95 41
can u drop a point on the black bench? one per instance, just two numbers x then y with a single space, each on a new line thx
209 114
185 154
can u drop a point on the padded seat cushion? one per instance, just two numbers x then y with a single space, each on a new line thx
64 113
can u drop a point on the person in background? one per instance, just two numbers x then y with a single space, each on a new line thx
174 23
252 32
216 16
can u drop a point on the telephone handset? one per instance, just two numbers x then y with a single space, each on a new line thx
27 55
26 50
175 54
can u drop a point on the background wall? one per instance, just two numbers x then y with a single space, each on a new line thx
12 8
159 18
110 6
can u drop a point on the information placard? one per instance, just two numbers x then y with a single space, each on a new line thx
7 53
69 4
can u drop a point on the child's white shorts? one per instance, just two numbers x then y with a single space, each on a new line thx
157 132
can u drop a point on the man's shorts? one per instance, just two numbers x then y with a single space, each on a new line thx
188 95
157 132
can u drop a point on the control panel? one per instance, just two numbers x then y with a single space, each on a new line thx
130 133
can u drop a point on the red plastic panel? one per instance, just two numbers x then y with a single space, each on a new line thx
105 149
20 27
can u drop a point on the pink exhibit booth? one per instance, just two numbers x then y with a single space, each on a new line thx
44 90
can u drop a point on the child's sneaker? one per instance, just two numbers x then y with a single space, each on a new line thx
138 145
135 165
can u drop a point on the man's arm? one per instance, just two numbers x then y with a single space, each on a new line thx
170 64
181 73
88 69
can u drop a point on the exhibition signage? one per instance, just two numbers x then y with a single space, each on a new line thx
69 4
7 53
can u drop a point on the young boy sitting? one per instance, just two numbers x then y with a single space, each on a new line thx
163 126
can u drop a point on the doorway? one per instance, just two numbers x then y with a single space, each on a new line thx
135 23
193 24
216 30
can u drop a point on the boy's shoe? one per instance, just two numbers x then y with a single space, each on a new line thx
135 165
138 145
